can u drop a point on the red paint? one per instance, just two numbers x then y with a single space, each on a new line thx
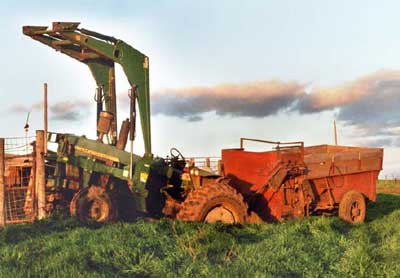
332 171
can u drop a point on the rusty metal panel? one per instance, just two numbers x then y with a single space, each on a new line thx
248 169
361 182
250 173
341 160
334 149
331 171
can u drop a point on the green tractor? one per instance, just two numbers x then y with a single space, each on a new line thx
101 181
112 183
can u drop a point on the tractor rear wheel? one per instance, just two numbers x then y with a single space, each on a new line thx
93 204
214 202
352 207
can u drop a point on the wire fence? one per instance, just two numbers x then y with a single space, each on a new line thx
19 179
212 164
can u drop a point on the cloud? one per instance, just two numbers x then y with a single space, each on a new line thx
264 98
253 99
20 108
376 142
73 116
377 111
379 105
328 98
194 118
358 101
370 104
70 110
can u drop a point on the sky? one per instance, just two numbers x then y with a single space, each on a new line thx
220 70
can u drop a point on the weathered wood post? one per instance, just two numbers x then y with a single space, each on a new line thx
335 132
220 168
207 162
45 117
40 175
2 186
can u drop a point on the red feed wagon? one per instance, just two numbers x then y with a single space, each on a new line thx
294 181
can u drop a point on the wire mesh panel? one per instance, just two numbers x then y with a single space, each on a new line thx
207 163
19 179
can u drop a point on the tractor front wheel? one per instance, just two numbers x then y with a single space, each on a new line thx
352 207
93 204
215 202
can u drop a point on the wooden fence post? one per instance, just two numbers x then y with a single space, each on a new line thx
220 168
2 186
207 162
40 175
45 117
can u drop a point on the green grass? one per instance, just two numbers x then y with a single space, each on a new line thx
315 247
394 183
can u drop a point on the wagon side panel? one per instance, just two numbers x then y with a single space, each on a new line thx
330 190
246 169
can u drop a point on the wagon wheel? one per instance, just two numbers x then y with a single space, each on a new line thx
93 204
352 208
215 202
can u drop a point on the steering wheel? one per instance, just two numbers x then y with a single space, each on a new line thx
176 154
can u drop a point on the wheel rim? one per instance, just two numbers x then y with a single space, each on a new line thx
220 214
98 210
92 204
355 212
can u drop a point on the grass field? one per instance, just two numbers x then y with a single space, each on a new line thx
388 183
315 247
388 186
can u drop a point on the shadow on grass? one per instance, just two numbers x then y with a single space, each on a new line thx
13 234
248 234
385 204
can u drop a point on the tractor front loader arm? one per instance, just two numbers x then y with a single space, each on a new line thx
100 53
